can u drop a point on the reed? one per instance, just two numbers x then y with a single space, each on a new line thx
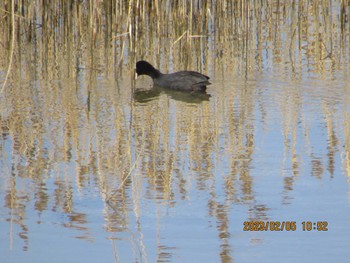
191 32
67 80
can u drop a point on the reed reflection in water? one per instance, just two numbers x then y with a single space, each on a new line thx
98 166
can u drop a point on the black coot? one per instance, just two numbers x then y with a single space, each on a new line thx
182 80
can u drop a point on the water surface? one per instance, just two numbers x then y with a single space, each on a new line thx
96 166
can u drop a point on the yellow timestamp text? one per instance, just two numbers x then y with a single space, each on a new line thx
284 226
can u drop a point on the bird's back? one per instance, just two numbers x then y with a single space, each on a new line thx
183 80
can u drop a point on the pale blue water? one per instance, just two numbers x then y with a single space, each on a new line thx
268 149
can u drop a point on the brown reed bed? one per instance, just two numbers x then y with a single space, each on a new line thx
66 46
192 33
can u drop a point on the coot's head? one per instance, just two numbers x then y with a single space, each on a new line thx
145 68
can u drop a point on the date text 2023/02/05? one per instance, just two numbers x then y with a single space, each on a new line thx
284 226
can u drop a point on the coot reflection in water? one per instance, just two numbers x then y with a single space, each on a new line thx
143 96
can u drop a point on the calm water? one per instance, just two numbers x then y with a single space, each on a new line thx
96 166
173 178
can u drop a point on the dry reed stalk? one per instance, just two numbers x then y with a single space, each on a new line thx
12 45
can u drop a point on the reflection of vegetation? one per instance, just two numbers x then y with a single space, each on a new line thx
68 53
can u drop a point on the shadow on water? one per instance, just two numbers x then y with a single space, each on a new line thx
144 96
187 174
